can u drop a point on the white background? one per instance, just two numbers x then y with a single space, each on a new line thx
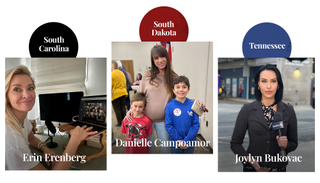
98 23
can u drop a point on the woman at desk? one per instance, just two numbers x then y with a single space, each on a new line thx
138 79
20 98
258 117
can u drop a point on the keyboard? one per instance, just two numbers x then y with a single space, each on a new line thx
42 138
95 128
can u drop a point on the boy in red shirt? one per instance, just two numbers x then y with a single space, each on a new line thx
138 128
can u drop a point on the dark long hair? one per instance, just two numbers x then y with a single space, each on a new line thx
169 73
140 76
279 93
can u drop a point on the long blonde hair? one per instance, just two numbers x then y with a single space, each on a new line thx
11 118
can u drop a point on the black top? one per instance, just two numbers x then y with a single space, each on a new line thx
262 140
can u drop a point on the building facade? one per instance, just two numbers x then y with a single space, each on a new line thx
237 77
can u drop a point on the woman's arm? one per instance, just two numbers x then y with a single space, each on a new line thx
239 132
256 165
290 141
77 135
36 143
61 165
292 134
141 89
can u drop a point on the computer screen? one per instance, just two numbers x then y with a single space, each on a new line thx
60 107
93 109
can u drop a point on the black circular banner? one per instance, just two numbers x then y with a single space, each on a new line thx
53 39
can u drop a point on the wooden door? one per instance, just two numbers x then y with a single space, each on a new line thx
129 65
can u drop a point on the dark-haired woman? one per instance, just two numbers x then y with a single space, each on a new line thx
138 79
156 85
257 117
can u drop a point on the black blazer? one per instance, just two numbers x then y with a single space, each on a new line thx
262 140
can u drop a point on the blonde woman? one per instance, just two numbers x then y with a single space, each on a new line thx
19 99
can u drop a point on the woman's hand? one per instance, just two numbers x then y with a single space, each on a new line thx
81 133
136 83
129 115
282 141
48 153
257 167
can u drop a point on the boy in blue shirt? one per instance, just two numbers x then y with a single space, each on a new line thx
181 122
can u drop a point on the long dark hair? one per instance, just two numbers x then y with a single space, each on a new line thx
279 93
162 52
140 76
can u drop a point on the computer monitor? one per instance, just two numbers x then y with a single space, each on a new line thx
93 109
60 107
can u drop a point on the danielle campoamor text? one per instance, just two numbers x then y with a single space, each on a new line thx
51 158
268 158
159 143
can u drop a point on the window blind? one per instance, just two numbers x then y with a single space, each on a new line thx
57 75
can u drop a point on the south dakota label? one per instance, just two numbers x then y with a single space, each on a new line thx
163 24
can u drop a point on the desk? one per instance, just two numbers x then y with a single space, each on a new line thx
98 163
135 87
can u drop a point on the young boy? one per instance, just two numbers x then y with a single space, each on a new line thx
181 122
137 130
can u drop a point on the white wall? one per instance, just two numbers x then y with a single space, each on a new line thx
192 59
207 131
137 51
13 62
96 77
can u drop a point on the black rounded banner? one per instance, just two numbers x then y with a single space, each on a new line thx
53 39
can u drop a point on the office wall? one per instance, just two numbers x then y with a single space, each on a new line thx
96 77
207 131
136 51
13 62
195 61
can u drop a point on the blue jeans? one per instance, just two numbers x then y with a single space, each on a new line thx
162 136
178 150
